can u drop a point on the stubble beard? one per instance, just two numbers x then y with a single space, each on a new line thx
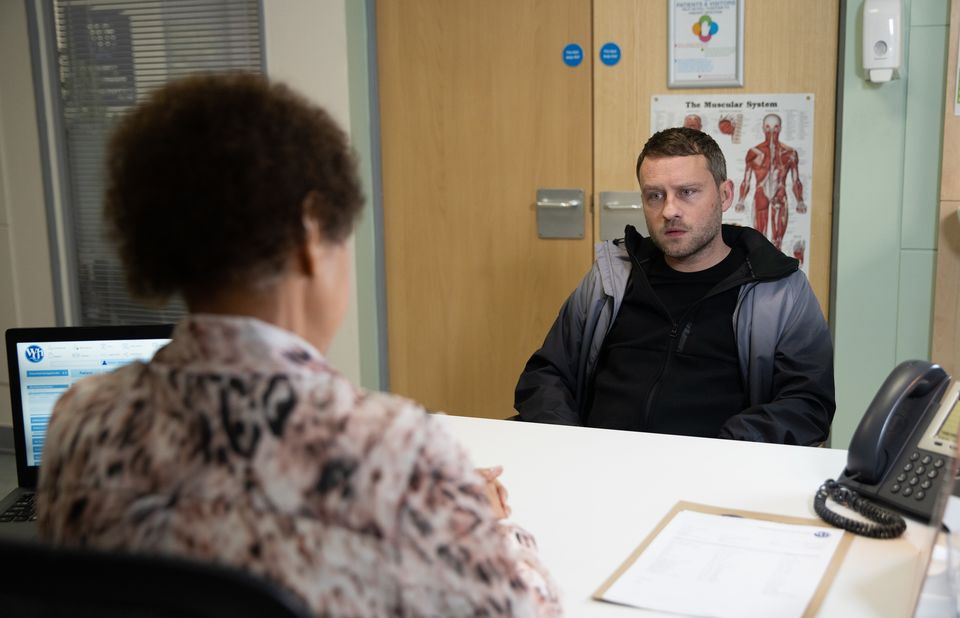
692 245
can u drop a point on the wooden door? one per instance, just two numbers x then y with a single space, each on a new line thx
478 111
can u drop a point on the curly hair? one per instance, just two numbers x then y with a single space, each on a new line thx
210 178
685 142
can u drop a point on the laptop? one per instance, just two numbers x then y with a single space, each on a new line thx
43 363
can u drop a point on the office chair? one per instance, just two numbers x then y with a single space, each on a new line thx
41 581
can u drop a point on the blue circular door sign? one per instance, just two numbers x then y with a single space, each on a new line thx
610 54
572 55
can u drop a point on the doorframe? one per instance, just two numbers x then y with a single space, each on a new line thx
368 242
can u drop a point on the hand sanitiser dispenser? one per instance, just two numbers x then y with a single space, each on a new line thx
882 39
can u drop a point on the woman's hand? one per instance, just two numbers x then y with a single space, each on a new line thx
496 492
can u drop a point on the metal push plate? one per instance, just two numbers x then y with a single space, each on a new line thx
619 209
560 213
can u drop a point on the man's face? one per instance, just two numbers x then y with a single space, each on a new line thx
683 207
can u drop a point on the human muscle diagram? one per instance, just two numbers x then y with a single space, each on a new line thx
771 164
767 140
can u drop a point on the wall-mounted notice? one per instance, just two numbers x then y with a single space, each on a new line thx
106 47
767 140
705 43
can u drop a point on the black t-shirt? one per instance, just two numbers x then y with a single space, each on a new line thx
669 363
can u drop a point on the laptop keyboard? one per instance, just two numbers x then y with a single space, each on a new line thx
24 509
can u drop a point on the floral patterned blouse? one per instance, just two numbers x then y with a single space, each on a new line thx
238 443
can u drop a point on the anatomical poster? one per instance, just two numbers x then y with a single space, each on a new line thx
767 140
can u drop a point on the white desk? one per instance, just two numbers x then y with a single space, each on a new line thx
591 496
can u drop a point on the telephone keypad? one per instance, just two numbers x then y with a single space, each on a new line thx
915 479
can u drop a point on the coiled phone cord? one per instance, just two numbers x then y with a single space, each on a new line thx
888 525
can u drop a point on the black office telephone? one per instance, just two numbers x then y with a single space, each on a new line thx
901 453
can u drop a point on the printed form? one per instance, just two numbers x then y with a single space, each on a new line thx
722 566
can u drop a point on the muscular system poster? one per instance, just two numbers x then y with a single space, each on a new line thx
767 140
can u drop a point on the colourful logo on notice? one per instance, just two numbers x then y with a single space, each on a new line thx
705 28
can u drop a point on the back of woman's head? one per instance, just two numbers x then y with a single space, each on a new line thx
210 179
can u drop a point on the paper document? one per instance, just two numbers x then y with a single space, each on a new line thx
705 564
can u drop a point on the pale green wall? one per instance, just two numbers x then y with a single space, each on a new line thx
886 213
367 239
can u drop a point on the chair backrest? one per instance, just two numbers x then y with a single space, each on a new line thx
43 581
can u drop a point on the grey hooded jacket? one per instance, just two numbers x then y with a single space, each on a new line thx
785 351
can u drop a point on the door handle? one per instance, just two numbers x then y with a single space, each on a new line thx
546 203
620 206
560 213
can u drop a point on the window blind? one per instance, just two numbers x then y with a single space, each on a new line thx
111 54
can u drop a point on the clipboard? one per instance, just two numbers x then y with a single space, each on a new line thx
825 582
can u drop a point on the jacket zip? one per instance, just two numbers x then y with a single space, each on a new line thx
672 344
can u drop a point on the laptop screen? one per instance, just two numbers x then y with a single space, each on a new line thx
45 362
48 368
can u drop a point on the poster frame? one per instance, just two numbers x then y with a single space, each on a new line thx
680 80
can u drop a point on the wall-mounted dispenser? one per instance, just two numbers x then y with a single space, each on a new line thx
882 39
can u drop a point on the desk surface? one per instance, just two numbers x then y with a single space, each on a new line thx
591 496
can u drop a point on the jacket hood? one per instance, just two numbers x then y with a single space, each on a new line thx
765 261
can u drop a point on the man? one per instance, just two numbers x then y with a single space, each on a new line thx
701 329
772 163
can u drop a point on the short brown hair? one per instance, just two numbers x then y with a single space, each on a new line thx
208 180
685 142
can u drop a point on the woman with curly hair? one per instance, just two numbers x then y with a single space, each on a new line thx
238 442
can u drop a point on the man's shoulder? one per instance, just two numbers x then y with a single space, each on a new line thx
786 293
766 261
610 250
611 268
795 282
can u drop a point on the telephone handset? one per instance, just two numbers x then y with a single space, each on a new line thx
902 452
